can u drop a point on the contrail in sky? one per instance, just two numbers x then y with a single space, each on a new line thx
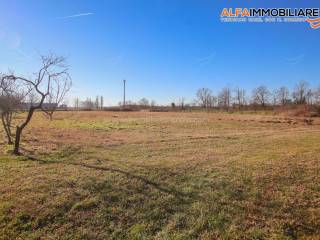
76 15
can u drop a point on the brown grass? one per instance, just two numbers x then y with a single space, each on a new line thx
142 175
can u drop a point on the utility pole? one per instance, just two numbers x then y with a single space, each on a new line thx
124 93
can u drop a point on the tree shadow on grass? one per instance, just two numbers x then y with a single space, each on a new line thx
165 189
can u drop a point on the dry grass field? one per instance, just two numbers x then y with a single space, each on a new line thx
141 175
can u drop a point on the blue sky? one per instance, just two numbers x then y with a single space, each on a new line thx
166 49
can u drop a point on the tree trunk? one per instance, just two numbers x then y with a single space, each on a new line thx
19 131
17 142
6 125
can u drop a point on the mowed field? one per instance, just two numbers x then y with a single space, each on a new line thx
141 175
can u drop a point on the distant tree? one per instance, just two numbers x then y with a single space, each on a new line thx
32 98
153 103
204 96
58 90
316 95
260 95
212 101
181 102
87 104
309 97
97 103
128 103
144 102
76 103
282 95
101 102
194 103
274 99
240 97
224 98
300 92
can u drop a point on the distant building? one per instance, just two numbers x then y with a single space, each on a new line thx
63 107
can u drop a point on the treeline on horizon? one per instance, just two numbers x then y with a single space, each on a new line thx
227 98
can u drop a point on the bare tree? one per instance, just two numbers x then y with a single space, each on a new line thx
6 118
9 102
282 95
274 98
300 92
181 102
260 95
97 103
204 96
58 89
144 102
87 104
153 103
224 98
309 97
53 70
316 95
32 98
76 103
240 97
212 101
